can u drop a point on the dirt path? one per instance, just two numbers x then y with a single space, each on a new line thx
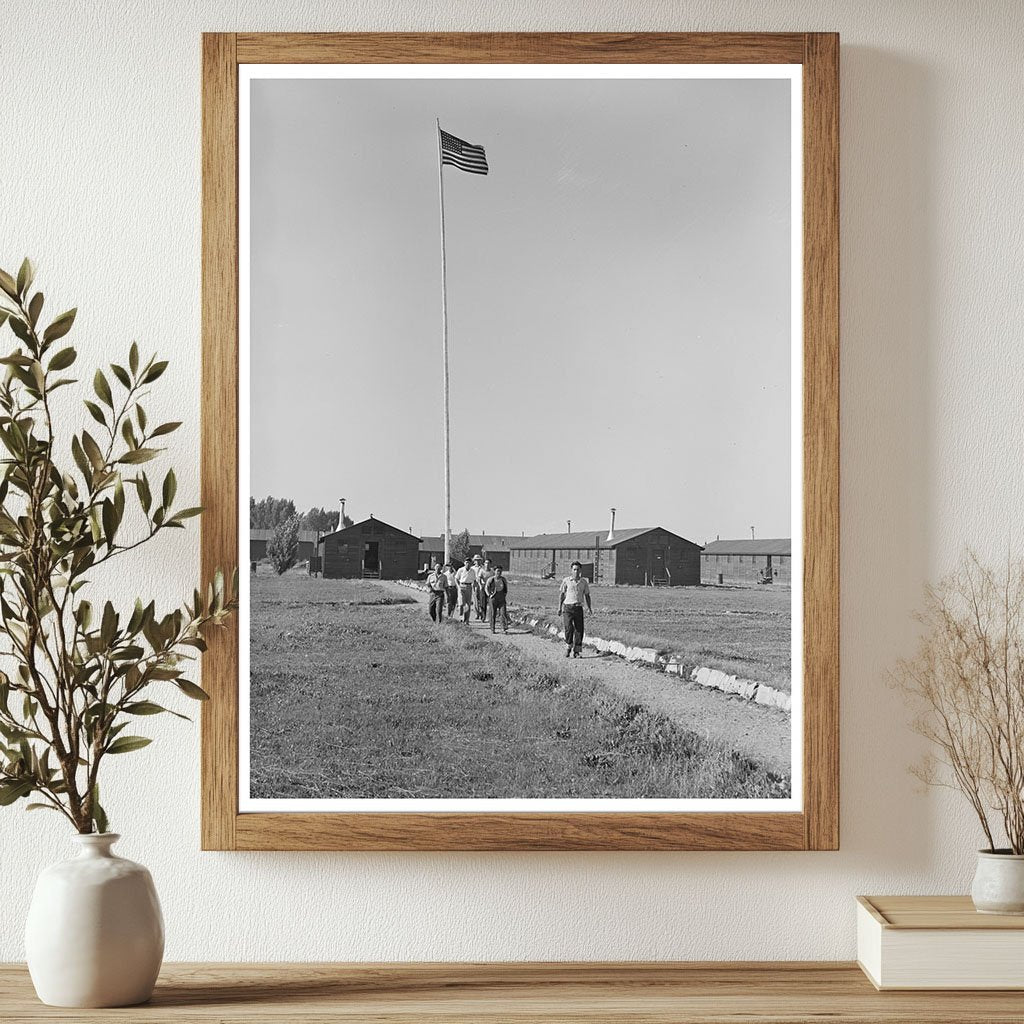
759 733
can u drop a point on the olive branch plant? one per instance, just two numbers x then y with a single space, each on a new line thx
79 673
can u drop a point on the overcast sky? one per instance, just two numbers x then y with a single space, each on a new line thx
618 302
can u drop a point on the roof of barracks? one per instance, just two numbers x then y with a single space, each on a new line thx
768 546
586 539
493 541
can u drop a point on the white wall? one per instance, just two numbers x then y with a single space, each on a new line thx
99 182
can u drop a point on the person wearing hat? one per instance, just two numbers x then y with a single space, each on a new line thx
465 579
483 576
437 588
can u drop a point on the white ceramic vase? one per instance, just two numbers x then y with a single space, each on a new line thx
95 934
999 883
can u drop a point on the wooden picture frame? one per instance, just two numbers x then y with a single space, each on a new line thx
816 827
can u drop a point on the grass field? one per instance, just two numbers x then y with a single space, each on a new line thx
745 631
355 694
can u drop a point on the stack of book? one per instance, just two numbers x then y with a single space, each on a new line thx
938 942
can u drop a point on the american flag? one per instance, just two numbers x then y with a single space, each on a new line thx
463 155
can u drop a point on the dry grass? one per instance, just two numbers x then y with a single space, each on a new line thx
354 696
744 631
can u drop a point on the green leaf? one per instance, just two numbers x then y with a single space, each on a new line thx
80 459
102 388
121 374
26 274
133 358
63 359
108 626
154 371
99 816
119 500
145 497
60 326
20 329
191 690
185 513
126 744
170 488
147 707
95 412
109 522
128 433
8 284
139 455
165 428
41 807
35 308
92 449
143 707
14 790
140 415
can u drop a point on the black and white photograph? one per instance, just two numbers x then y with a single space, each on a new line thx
520 438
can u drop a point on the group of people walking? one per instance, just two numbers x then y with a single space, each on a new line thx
480 588
477 587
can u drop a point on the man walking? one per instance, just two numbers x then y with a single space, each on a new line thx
497 593
575 590
451 588
465 578
483 577
437 588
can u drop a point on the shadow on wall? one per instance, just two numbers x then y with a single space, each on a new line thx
887 281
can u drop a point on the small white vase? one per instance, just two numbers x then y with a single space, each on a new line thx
95 934
999 883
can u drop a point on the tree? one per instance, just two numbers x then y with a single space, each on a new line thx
322 520
461 545
269 512
283 546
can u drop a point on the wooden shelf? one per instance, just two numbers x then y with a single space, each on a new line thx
657 993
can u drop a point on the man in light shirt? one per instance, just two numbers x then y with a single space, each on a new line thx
466 580
437 587
451 588
483 577
574 591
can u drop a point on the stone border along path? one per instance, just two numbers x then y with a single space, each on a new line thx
713 678
761 734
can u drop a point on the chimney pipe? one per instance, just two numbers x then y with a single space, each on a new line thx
752 533
611 531
568 526
341 517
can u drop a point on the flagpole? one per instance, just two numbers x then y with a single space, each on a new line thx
444 354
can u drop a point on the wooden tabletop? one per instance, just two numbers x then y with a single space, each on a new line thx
659 993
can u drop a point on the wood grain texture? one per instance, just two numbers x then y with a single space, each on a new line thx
527 832
219 436
614 993
821 440
942 913
521 48
818 826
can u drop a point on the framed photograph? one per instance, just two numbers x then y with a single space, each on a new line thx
520 390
